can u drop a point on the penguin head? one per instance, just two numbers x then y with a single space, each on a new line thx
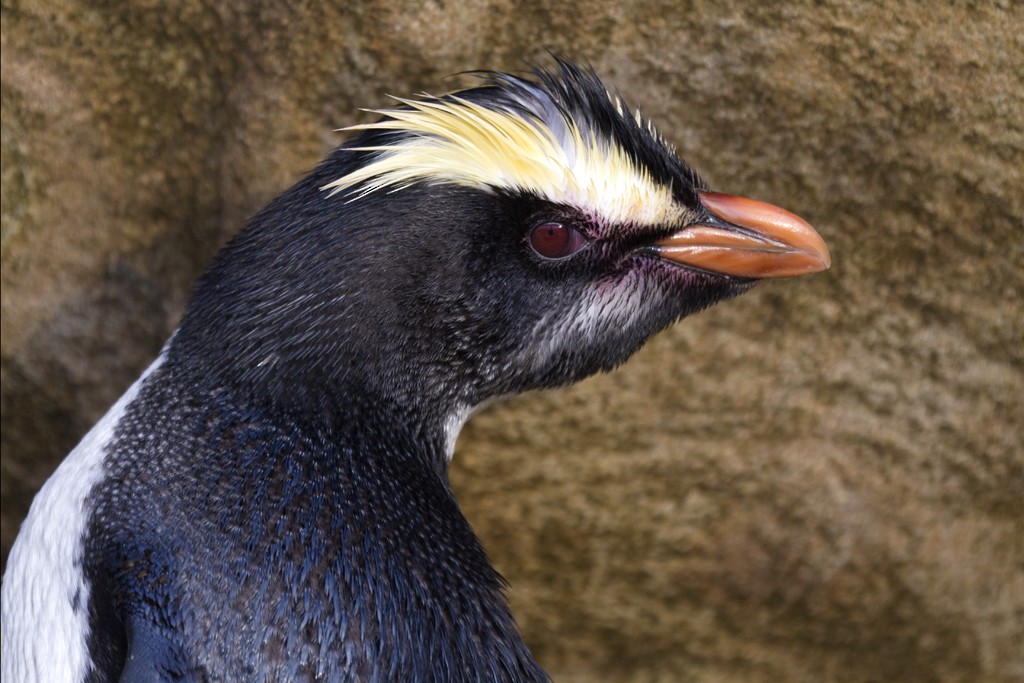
525 233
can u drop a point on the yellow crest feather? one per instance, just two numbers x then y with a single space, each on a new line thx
455 140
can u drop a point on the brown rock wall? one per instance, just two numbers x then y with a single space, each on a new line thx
821 481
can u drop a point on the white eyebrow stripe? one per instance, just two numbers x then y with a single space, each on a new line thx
542 151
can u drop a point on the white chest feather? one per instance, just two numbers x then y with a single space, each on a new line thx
45 595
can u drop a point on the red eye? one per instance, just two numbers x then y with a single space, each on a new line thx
554 240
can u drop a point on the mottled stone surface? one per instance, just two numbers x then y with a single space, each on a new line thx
821 481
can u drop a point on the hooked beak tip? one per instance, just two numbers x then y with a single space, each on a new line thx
747 238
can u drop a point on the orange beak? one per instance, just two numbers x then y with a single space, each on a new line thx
747 238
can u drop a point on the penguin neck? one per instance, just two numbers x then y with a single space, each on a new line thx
362 493
404 404
365 422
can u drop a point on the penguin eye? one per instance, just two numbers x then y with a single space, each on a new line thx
555 240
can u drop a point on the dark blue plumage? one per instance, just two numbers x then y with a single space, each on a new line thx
256 544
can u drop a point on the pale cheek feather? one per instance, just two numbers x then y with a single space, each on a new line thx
609 307
45 622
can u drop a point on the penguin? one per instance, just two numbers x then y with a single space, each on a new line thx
270 500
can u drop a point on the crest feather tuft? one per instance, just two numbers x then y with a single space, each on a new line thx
563 138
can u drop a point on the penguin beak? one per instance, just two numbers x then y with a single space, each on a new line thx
746 238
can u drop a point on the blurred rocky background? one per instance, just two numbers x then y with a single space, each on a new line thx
821 481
